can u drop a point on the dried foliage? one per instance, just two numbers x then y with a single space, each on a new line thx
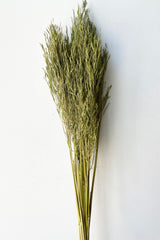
75 67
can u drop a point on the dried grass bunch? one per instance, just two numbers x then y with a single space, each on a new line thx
74 71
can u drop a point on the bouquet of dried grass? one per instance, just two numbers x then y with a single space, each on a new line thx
74 71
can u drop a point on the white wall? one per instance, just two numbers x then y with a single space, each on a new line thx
36 190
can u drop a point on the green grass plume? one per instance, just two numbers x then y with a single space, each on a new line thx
74 71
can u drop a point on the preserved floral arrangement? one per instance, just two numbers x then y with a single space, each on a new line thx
75 65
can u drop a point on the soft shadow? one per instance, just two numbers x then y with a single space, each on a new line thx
104 195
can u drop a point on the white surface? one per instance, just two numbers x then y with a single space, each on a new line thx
36 190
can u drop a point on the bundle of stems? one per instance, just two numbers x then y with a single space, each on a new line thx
74 71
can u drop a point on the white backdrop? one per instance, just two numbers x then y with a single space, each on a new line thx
36 190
